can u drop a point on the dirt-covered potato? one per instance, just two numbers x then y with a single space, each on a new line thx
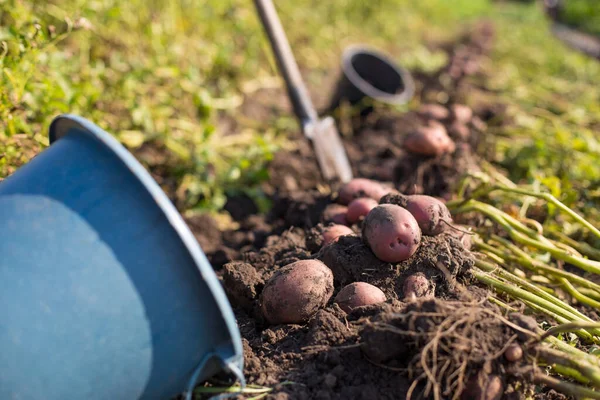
461 113
360 187
429 140
459 131
296 292
391 232
513 353
483 387
333 232
335 213
433 111
359 208
431 214
358 294
417 285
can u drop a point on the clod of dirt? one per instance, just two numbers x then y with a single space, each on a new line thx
326 329
452 346
440 258
278 251
242 284
462 233
300 209
529 325
416 174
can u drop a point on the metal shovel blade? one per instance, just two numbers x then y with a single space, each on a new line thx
322 133
329 149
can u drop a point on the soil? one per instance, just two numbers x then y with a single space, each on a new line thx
451 340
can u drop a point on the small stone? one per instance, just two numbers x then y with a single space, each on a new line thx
330 380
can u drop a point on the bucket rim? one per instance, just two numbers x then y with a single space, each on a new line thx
64 123
370 90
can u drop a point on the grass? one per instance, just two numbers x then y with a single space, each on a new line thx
584 14
170 75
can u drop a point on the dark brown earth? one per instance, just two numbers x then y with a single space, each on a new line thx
383 351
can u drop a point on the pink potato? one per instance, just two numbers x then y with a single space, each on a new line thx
358 294
335 213
429 140
459 131
361 187
359 208
391 232
296 292
461 113
433 111
431 214
333 232
417 285
513 353
482 386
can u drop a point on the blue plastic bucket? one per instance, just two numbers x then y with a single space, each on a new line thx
104 292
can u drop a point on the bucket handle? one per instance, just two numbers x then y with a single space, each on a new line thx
230 366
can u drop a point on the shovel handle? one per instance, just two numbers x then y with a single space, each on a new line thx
299 97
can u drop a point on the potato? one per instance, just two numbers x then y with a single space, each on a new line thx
335 213
513 353
460 131
433 111
296 292
359 208
391 232
358 294
360 187
431 214
333 232
483 387
461 113
417 285
429 140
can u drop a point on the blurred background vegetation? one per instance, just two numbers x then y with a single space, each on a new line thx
169 79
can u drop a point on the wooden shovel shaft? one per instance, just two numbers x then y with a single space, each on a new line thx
303 106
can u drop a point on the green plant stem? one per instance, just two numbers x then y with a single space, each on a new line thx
521 294
568 312
564 347
554 316
570 389
570 373
589 293
583 299
581 247
525 260
551 199
501 303
552 356
585 264
569 327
